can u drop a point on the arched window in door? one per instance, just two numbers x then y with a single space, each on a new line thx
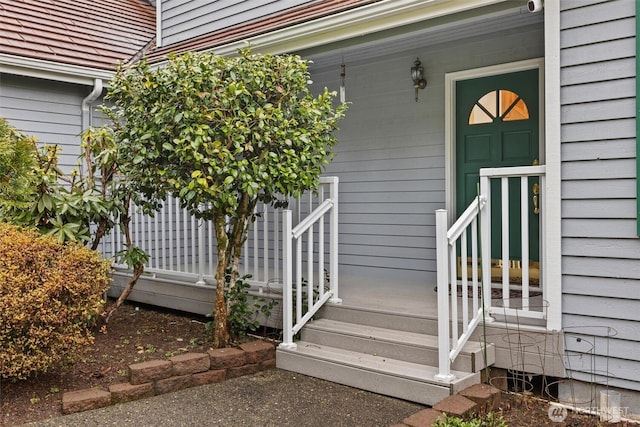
499 104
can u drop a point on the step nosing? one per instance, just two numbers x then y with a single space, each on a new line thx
385 335
354 307
380 364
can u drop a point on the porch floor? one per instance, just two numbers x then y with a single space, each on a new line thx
405 298
411 298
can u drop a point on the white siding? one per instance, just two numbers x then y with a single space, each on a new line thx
185 19
391 152
601 251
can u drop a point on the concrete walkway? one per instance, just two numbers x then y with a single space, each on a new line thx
268 398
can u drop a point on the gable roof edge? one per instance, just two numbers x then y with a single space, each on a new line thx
30 67
354 22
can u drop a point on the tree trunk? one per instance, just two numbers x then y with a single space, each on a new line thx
137 272
235 245
221 326
138 269
100 232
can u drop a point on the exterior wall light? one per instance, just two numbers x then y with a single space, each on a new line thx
417 75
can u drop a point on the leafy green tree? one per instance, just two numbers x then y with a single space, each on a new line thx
222 134
73 207
39 194
107 178
17 168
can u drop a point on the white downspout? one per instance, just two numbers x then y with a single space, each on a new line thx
86 103
85 120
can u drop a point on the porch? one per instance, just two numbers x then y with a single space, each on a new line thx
366 332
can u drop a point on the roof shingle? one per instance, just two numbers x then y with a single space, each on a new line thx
90 33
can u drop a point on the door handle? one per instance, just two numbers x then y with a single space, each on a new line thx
536 192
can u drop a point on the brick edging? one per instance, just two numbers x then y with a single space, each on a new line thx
478 399
157 377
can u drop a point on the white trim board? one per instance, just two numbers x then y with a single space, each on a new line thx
552 273
29 67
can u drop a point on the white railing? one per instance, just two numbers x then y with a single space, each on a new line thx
181 247
465 229
523 176
301 256
471 232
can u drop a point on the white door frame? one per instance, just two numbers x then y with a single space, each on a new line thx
550 215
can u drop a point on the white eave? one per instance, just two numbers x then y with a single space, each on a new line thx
356 22
50 70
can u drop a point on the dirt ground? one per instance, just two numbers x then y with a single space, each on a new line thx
138 335
532 411
131 336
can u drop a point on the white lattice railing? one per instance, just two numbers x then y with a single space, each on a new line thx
464 272
184 248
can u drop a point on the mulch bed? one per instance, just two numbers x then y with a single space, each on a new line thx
131 336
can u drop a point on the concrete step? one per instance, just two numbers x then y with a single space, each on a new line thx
379 318
401 345
384 375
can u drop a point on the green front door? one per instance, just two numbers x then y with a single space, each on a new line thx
497 126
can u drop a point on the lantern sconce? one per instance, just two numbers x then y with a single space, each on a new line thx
417 75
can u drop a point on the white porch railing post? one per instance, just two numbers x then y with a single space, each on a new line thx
442 256
333 241
524 239
504 207
485 245
287 283
201 252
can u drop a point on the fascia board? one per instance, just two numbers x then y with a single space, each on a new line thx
30 67
375 17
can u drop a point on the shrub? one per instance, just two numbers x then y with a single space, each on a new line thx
50 295
17 166
488 420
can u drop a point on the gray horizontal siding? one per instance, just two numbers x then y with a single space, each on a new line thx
601 287
589 150
603 110
616 268
600 249
185 19
601 228
599 131
50 111
599 71
599 189
599 169
599 91
586 14
623 28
